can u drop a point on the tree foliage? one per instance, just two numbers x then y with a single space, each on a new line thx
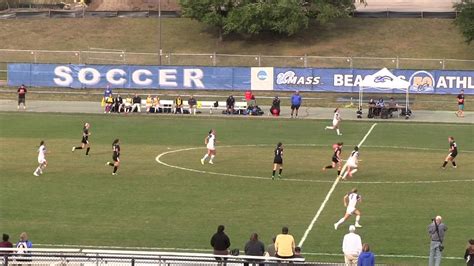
465 19
252 17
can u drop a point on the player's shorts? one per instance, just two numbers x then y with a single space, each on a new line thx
295 106
461 107
41 160
453 154
351 164
335 123
211 148
21 100
350 210
334 159
116 158
278 160
85 140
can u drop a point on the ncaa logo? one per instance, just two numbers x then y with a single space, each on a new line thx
422 81
262 75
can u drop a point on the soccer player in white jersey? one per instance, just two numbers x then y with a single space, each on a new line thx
350 201
41 159
335 122
352 163
210 142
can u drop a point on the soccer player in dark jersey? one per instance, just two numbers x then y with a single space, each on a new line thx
85 139
336 158
453 152
115 156
278 160
22 96
460 112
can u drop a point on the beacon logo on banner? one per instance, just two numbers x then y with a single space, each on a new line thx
261 78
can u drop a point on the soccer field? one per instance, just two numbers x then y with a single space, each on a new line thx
175 202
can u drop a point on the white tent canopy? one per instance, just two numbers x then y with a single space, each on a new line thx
384 80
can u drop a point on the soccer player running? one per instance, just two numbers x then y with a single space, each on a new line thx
115 156
85 139
335 122
210 142
278 160
453 152
41 159
351 199
352 163
336 158
460 112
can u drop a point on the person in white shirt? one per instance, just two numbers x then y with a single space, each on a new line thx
41 159
210 142
351 247
335 122
352 163
350 201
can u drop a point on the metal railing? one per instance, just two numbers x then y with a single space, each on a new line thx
95 56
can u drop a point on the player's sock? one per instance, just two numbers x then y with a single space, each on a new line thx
205 156
328 167
338 132
111 164
454 163
273 174
340 221
87 151
353 171
38 170
115 169
78 148
329 128
357 219
445 163
212 157
338 172
279 172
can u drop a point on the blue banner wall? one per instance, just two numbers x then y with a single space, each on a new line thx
230 78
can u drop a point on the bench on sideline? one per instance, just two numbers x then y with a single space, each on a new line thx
201 105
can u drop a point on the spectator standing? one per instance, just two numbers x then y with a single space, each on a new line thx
436 230
230 102
156 104
148 103
220 242
392 106
6 243
248 96
366 258
192 105
137 101
469 254
284 244
372 105
351 247
109 103
178 105
275 109
271 248
460 112
22 96
254 247
295 103
107 92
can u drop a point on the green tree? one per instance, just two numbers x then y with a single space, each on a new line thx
255 16
465 19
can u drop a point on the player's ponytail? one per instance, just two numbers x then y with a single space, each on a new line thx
279 144
41 143
115 141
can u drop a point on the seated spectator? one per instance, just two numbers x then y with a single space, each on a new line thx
271 248
230 102
298 253
23 245
137 102
178 105
275 109
156 104
366 258
220 242
254 247
372 105
148 103
392 106
109 103
5 243
118 104
192 105
128 104
284 244
251 106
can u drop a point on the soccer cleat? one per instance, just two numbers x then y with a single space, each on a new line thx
358 225
73 148
324 169
455 166
279 176
107 163
35 174
339 134
114 173
210 162
273 177
202 161
335 226
442 167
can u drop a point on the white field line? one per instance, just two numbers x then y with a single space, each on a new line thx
210 250
323 205
159 160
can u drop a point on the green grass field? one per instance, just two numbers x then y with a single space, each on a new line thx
77 200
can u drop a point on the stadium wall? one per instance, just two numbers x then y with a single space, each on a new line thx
80 76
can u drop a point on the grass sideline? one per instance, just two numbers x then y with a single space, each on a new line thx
77 201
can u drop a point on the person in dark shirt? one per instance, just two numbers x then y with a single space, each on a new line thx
137 102
115 156
278 160
118 104
275 109
469 254
5 243
85 139
192 105
254 247
298 253
230 104
220 242
336 158
453 152
22 96
460 97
